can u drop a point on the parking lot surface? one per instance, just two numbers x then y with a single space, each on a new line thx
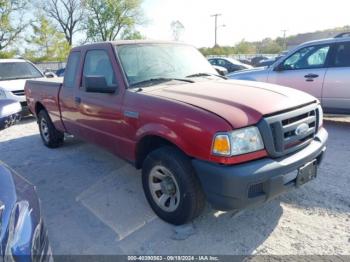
93 203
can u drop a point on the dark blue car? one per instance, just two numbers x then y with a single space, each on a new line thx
23 236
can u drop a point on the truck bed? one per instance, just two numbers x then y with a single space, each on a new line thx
44 91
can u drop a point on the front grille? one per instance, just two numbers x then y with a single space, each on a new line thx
283 133
256 190
18 92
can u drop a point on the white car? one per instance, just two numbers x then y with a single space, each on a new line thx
13 75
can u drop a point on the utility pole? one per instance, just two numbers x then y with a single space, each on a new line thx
284 39
216 27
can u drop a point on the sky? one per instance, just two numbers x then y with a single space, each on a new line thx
244 19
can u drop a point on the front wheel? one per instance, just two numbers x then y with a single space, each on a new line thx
171 186
50 136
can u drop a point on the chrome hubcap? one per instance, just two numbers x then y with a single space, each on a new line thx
164 188
44 130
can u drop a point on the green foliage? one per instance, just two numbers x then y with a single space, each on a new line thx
267 46
7 54
129 34
245 47
108 19
48 44
10 31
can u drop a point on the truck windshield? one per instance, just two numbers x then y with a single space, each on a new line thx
142 62
18 70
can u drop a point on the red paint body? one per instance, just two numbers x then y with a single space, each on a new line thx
187 115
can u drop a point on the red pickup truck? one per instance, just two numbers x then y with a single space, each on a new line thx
196 135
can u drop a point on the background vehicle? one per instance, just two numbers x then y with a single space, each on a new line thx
60 72
10 112
13 75
196 136
22 231
320 68
221 70
256 60
230 64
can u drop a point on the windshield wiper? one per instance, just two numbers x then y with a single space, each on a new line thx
205 74
154 81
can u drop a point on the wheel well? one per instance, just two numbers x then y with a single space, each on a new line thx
38 108
148 144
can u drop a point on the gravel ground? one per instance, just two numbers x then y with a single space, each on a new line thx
93 204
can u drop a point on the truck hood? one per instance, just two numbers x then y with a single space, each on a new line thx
13 85
241 103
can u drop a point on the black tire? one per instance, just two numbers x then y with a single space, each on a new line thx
192 199
51 138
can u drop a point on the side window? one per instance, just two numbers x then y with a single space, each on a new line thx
222 63
212 61
342 55
71 69
97 63
308 57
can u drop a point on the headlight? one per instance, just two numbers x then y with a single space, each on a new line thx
238 142
2 94
320 116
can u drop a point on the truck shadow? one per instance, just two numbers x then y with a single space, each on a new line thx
86 192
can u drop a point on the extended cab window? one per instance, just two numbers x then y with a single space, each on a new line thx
72 68
308 57
342 55
97 63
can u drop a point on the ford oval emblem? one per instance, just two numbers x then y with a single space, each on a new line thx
302 129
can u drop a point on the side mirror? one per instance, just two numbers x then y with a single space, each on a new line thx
50 74
279 68
98 84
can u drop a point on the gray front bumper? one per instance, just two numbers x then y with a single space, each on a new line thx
243 185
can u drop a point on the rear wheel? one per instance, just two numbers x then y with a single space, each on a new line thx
50 136
171 186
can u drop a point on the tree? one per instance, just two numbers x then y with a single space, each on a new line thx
130 34
245 47
108 19
269 46
177 29
10 30
48 43
68 14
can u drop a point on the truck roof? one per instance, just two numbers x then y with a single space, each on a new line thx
129 42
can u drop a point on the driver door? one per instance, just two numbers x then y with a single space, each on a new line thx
100 113
304 70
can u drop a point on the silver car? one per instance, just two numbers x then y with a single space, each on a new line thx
320 68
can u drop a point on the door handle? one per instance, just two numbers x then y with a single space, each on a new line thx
77 100
311 76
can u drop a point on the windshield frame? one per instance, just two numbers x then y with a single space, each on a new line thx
22 78
120 64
